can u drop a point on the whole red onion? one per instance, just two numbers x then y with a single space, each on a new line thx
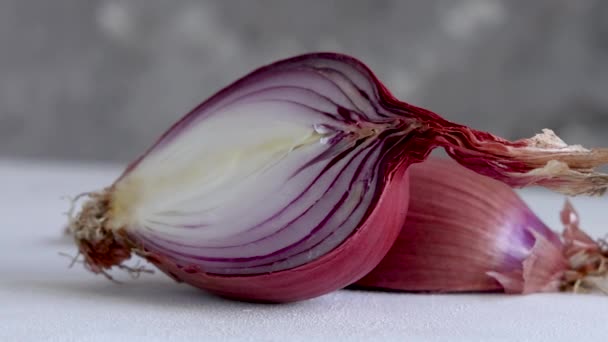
465 232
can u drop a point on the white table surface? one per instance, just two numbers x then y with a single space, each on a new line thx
41 299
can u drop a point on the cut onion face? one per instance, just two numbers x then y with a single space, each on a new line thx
279 172
266 178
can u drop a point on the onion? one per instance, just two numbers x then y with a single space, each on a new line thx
292 182
465 232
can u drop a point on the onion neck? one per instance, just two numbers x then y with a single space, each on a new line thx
543 160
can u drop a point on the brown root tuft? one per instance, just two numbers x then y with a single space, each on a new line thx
101 246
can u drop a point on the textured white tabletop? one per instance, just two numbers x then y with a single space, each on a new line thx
41 299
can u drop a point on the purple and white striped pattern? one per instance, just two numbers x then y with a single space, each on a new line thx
274 171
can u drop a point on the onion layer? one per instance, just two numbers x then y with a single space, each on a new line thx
350 261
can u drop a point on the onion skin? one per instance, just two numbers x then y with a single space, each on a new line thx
349 262
469 233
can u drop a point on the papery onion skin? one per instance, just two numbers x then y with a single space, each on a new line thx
460 227
352 114
469 233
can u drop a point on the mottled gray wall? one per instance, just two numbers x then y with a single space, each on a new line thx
101 79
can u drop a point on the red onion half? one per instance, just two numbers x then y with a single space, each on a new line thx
292 182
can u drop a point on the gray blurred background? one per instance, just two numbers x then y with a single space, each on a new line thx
99 80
